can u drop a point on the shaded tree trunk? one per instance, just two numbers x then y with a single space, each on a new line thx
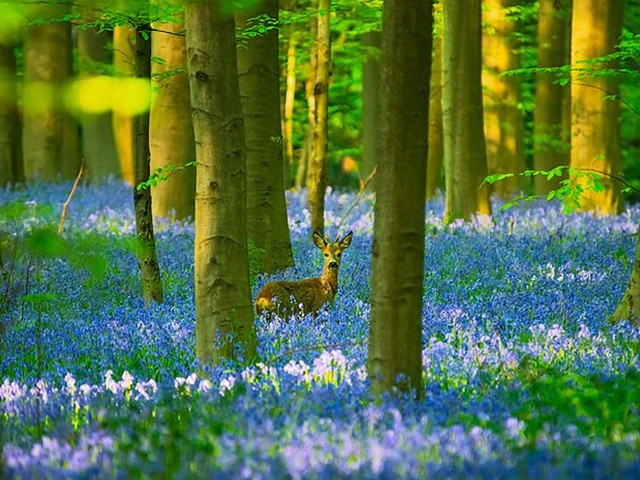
147 259
395 336
123 65
435 159
11 167
370 104
50 141
224 311
465 157
171 133
98 144
503 121
549 147
317 166
595 127
259 73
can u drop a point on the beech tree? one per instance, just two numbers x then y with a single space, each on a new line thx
224 311
395 335
11 168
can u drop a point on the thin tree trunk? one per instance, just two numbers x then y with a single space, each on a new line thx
317 169
147 259
123 65
503 121
259 71
224 311
98 144
289 99
171 134
465 152
549 148
370 104
595 127
395 335
435 159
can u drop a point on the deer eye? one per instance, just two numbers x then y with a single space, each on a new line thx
339 254
326 254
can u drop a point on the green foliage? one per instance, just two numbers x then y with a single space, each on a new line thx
163 174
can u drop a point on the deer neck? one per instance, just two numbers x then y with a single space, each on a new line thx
330 278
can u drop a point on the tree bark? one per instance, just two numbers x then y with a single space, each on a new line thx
317 167
436 134
171 134
465 152
123 64
259 73
549 147
395 336
289 98
595 127
370 104
98 144
147 259
503 121
50 141
629 306
224 311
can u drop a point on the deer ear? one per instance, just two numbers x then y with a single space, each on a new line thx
346 240
319 241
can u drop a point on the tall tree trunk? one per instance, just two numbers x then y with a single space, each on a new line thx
395 336
147 259
50 141
549 149
465 155
595 127
289 97
317 169
370 103
11 168
224 311
99 150
503 121
123 63
171 134
435 159
259 72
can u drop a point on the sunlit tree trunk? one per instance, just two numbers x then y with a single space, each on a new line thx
50 141
317 166
171 130
370 103
595 127
147 259
465 157
289 97
549 149
123 63
395 336
98 145
11 168
224 311
503 120
259 71
436 133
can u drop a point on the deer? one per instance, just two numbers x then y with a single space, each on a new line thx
283 297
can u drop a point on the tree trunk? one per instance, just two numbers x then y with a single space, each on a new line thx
171 134
370 104
123 62
465 153
224 311
98 144
549 149
629 306
289 99
436 133
395 336
317 167
503 121
11 168
595 127
50 141
147 260
259 72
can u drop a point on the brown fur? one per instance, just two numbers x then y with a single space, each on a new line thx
309 295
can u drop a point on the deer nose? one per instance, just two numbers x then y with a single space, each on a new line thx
333 264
